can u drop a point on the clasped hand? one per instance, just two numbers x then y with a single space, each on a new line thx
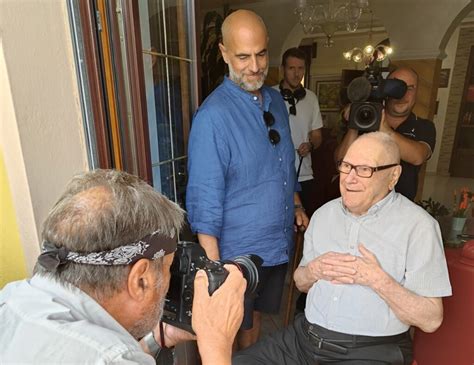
344 268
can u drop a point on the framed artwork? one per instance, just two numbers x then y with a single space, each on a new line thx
328 95
444 77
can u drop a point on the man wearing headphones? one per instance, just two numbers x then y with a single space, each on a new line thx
305 121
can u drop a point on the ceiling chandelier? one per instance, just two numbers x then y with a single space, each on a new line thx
329 16
369 53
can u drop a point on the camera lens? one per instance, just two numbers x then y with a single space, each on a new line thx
249 265
366 116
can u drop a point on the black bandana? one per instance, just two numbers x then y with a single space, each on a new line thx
152 247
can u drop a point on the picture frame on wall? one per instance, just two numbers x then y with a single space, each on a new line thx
328 95
444 77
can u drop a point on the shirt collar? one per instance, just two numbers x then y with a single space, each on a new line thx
374 209
234 88
77 300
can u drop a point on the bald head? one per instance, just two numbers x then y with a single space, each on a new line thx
242 23
406 74
383 147
244 49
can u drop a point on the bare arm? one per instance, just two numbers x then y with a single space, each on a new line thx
410 308
346 142
315 137
411 151
209 243
301 218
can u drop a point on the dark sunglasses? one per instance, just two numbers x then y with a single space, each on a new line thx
273 134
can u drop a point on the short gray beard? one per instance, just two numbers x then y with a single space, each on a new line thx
238 79
150 320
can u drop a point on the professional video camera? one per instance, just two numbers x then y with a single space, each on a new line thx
188 259
367 94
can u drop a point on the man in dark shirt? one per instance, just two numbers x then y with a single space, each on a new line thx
414 136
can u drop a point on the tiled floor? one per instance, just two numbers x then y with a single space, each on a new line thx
272 323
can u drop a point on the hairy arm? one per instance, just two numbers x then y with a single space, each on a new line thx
209 243
411 151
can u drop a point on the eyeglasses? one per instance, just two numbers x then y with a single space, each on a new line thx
361 170
273 134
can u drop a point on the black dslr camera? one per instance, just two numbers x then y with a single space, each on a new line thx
188 259
367 94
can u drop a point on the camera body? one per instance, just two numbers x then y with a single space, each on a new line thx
189 258
368 94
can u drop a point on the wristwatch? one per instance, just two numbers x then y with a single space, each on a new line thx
153 347
299 206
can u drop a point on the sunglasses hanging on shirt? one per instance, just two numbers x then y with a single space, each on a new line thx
273 134
292 97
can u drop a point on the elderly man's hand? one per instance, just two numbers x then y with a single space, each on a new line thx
367 270
331 266
217 318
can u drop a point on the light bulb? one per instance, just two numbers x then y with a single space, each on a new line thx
347 55
368 50
357 55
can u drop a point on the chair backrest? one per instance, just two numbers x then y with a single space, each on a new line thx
453 342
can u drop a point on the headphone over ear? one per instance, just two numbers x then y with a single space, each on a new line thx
287 94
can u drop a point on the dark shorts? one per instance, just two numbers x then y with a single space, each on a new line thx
267 298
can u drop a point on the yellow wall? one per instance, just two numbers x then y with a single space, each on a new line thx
12 261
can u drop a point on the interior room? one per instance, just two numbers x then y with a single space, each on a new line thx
114 84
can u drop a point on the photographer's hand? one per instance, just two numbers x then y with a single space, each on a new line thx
173 335
217 318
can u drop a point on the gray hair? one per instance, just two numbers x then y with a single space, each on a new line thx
102 210
391 149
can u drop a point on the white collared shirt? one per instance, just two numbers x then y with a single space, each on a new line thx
407 243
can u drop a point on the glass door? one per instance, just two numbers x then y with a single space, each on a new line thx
166 29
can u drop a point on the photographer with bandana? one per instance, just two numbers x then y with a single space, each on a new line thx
100 282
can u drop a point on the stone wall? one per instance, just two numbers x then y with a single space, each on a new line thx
465 42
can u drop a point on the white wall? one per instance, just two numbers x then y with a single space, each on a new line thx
442 98
42 134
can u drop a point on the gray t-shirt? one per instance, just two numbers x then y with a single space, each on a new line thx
407 243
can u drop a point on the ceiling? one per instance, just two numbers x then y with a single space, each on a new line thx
414 25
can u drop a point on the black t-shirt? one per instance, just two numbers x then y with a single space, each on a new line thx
417 129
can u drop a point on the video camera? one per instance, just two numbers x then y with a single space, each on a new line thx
188 259
367 94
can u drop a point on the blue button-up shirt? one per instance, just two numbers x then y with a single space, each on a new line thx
240 186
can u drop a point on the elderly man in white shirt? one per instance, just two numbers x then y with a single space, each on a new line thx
373 265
